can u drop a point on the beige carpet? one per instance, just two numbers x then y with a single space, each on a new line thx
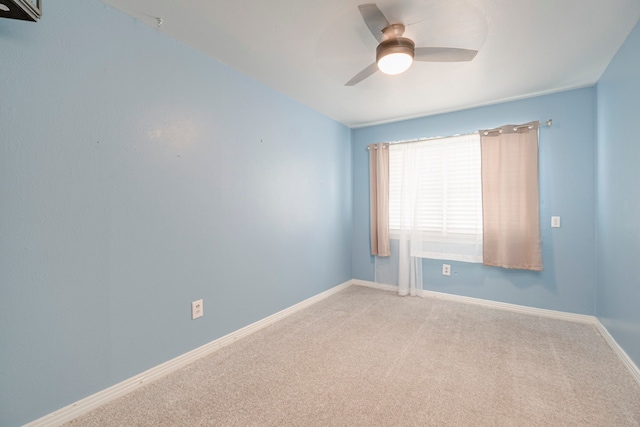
365 357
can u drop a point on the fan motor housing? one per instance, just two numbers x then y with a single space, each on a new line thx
395 45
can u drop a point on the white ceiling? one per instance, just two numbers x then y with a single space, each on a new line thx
308 49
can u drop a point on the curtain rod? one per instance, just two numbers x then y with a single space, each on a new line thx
407 141
548 123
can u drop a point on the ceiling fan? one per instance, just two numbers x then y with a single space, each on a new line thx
395 53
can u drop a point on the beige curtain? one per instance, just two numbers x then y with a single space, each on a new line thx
511 215
379 198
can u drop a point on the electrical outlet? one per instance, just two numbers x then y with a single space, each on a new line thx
446 269
197 309
555 221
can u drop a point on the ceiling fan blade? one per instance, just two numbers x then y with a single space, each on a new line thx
443 54
362 75
374 19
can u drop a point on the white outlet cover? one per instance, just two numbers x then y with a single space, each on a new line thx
555 221
446 269
197 309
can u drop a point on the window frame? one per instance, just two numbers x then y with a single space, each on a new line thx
445 146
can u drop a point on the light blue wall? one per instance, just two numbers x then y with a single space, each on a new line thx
137 175
618 224
567 175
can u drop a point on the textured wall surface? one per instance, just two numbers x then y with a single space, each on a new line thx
618 230
138 175
567 189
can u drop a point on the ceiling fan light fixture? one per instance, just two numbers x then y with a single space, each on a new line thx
395 63
395 56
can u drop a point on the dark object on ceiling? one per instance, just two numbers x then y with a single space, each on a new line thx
27 10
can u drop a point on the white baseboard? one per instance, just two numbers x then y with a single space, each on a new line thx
572 317
85 405
624 357
374 285
534 311
561 315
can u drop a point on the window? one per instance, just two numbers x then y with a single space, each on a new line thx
435 194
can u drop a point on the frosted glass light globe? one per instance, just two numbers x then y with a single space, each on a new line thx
395 63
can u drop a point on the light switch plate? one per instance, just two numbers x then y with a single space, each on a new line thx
555 221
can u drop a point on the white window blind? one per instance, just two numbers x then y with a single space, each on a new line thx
435 195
